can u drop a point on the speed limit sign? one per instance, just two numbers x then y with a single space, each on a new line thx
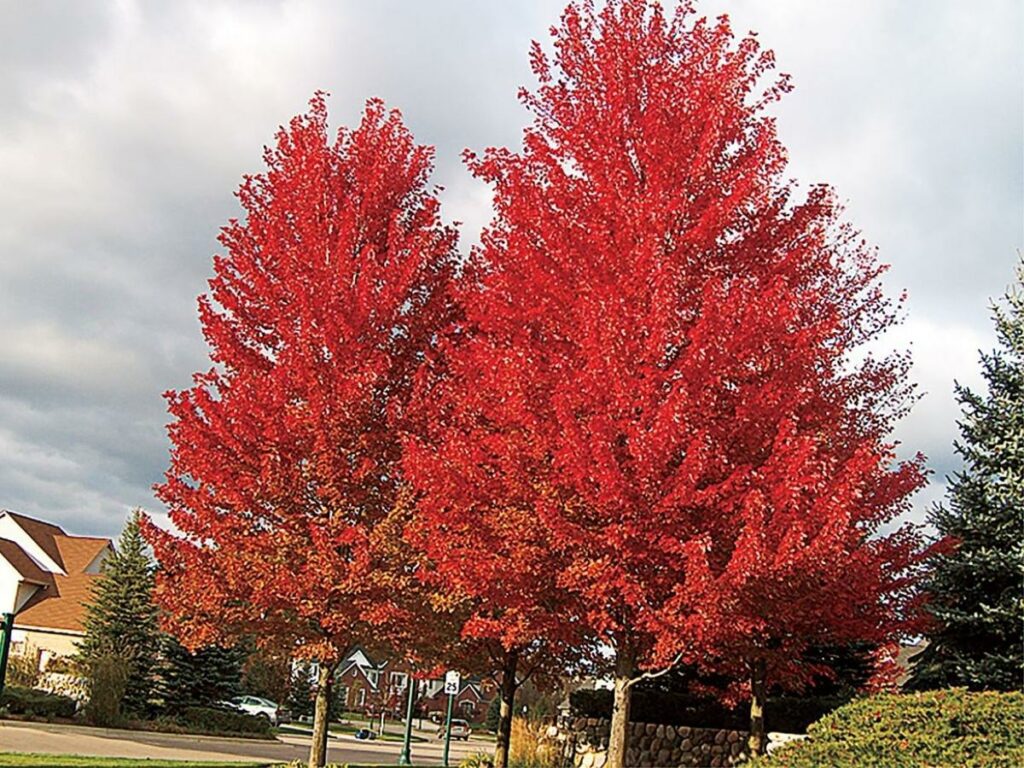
451 682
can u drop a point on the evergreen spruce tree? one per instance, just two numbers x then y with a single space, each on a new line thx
493 712
198 679
301 691
121 621
977 588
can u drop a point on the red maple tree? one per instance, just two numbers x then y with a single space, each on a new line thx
487 556
284 483
668 332
807 563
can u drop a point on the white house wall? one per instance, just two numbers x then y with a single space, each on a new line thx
10 580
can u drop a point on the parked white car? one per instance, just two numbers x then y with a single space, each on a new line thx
460 730
254 705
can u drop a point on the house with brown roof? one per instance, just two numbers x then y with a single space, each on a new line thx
46 578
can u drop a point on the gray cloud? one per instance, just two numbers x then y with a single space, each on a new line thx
127 126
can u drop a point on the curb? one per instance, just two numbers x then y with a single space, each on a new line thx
122 732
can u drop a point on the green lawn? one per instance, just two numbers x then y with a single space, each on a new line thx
79 761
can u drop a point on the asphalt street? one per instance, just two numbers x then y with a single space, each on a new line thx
80 740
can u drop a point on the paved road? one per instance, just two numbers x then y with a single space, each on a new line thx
81 740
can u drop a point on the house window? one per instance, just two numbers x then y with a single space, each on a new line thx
467 708
398 680
362 698
373 676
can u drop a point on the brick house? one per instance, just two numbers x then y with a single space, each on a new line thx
372 686
368 686
46 578
471 702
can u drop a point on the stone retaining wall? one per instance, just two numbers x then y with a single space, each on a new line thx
656 746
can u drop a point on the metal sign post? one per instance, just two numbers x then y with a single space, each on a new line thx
452 680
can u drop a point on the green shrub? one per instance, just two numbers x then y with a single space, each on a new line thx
25 701
936 728
23 671
108 680
223 721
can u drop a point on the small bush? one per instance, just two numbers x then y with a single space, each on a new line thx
222 721
936 728
23 671
477 760
25 701
108 680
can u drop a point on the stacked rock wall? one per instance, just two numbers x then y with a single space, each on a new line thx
657 746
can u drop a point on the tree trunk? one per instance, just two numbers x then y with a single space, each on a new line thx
508 696
318 747
618 738
757 743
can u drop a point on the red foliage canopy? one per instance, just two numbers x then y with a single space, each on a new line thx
284 478
661 383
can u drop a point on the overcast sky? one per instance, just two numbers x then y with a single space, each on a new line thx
125 128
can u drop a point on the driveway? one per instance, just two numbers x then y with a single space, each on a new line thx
81 740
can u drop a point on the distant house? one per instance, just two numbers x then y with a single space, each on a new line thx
470 702
46 578
365 685
374 687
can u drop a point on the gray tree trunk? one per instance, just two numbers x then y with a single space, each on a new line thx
618 738
508 695
757 742
318 747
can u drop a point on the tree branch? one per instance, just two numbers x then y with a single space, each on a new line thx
651 675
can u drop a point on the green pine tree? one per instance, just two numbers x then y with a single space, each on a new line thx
978 589
197 679
121 620
301 691
493 713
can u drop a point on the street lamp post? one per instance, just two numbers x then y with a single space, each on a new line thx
406 757
5 647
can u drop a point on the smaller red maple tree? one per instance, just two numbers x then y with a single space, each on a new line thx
284 485
486 554
806 565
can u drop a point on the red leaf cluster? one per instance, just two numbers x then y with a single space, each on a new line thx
658 420
284 470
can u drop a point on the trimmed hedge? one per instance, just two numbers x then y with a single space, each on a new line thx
223 721
935 728
789 714
27 701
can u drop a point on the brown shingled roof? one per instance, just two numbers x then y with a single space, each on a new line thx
63 605
42 534
29 570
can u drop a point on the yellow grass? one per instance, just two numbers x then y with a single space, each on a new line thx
528 749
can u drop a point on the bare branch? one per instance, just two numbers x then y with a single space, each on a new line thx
651 675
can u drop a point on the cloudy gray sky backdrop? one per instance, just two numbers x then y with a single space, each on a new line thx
125 127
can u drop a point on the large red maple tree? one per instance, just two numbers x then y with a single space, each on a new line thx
669 330
284 484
